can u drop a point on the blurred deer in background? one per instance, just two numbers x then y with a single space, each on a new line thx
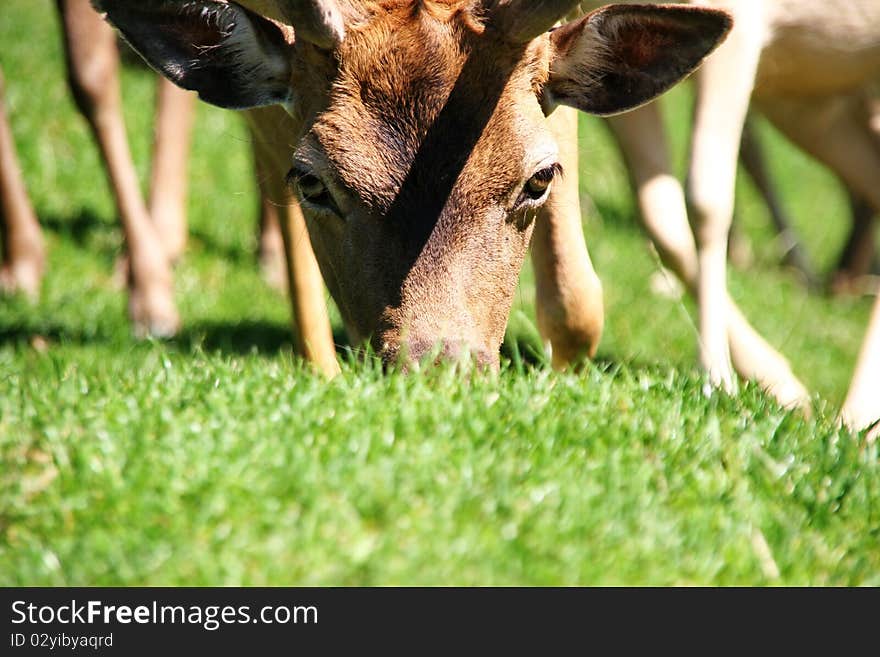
809 66
154 237
155 230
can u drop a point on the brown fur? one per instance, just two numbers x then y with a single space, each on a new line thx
413 244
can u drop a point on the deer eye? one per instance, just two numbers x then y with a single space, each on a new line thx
539 184
312 190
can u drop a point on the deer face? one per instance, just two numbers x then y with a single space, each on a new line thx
421 176
421 155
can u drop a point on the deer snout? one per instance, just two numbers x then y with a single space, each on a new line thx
415 353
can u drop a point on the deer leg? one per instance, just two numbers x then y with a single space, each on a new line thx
835 133
641 139
270 251
312 334
93 63
24 255
568 291
724 87
755 164
664 215
862 405
857 257
175 110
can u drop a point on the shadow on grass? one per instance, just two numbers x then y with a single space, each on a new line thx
26 332
522 353
268 338
201 240
246 337
80 227
234 338
85 226
519 351
225 338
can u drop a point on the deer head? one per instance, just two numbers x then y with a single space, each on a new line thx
420 153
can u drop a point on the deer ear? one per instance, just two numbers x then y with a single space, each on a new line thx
623 56
232 57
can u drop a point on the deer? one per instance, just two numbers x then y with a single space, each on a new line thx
429 144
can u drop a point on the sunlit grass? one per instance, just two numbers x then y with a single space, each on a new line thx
219 458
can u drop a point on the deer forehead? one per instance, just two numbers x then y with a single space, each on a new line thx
431 90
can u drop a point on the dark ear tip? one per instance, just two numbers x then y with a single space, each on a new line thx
103 6
717 23
721 20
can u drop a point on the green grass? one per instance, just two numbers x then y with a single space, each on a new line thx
218 458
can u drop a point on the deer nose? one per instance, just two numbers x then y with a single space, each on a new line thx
427 352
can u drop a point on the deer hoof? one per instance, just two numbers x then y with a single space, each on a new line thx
22 278
153 314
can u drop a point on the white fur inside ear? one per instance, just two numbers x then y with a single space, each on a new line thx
588 58
256 63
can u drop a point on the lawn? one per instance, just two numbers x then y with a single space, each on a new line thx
218 458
